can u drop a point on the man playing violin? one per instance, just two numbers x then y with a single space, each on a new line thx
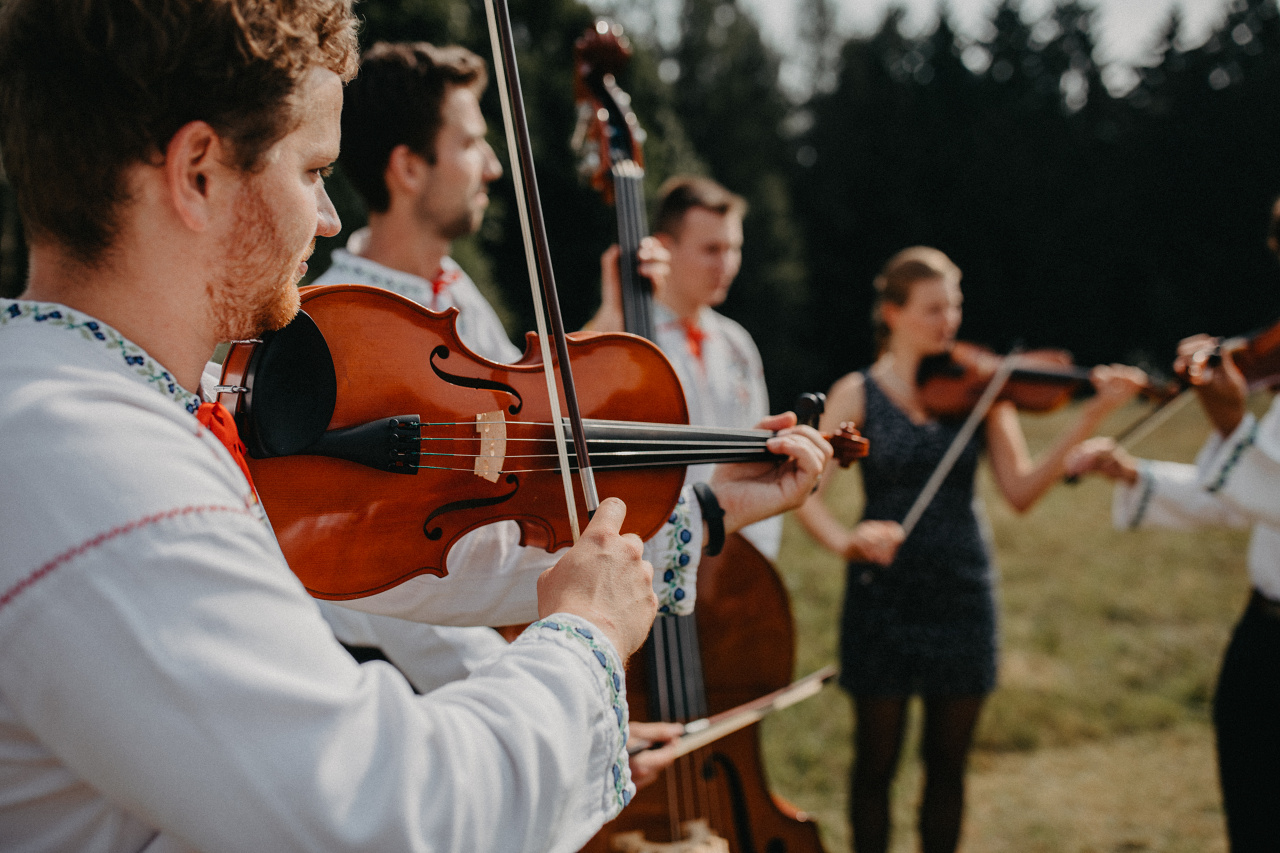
1234 482
169 162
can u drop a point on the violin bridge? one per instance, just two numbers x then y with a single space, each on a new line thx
492 429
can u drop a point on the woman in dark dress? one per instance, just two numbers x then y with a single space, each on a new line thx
919 615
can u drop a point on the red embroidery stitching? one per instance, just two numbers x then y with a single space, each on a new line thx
65 557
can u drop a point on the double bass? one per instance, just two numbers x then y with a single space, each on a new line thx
740 642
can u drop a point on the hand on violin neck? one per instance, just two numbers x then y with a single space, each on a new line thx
751 491
1114 385
604 579
1219 384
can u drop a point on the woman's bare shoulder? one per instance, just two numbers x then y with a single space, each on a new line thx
846 401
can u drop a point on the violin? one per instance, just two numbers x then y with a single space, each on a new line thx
377 439
1256 355
949 384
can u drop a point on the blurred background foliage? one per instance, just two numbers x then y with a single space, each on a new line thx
1110 224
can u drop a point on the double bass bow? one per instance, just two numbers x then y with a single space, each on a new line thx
715 796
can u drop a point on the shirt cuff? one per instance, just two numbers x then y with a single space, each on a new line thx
578 633
1223 462
1129 503
674 552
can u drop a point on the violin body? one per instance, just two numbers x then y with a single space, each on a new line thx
349 530
949 384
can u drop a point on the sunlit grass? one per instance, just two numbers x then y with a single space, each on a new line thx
1106 635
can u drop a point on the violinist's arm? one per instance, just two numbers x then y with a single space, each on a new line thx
1022 480
846 402
873 541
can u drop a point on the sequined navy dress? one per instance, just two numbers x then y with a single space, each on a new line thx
926 624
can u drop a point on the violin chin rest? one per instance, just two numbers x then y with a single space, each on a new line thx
293 390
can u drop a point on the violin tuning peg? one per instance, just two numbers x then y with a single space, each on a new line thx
809 407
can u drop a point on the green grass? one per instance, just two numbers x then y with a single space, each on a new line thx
1106 636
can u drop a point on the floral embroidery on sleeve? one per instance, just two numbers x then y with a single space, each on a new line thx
1236 452
1148 483
621 776
672 553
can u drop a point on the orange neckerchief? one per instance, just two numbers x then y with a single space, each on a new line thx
440 282
694 336
216 418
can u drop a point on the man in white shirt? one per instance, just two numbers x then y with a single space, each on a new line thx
167 684
700 224
1235 482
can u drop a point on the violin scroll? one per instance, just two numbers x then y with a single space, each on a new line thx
849 444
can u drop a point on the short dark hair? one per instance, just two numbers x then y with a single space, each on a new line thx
89 88
680 194
396 99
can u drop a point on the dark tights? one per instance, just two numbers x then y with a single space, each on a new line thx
948 731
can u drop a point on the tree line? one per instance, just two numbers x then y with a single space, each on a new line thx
1109 224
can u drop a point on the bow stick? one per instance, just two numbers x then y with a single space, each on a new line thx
699 733
538 256
989 394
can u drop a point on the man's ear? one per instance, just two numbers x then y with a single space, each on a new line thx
406 170
192 168
668 242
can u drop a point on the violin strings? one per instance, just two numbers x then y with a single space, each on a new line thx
636 446
624 426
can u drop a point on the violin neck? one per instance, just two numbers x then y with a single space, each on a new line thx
625 444
633 226
1052 375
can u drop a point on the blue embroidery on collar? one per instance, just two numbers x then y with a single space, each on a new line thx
59 316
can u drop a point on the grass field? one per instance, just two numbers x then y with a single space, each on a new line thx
1098 737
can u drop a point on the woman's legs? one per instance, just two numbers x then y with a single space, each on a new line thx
877 741
948 731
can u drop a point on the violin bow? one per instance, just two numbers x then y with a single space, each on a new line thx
699 733
538 257
958 444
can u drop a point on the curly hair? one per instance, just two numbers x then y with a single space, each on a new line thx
89 88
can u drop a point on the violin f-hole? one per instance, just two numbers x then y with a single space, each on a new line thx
442 352
434 533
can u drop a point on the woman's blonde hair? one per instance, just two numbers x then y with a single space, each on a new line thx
899 275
